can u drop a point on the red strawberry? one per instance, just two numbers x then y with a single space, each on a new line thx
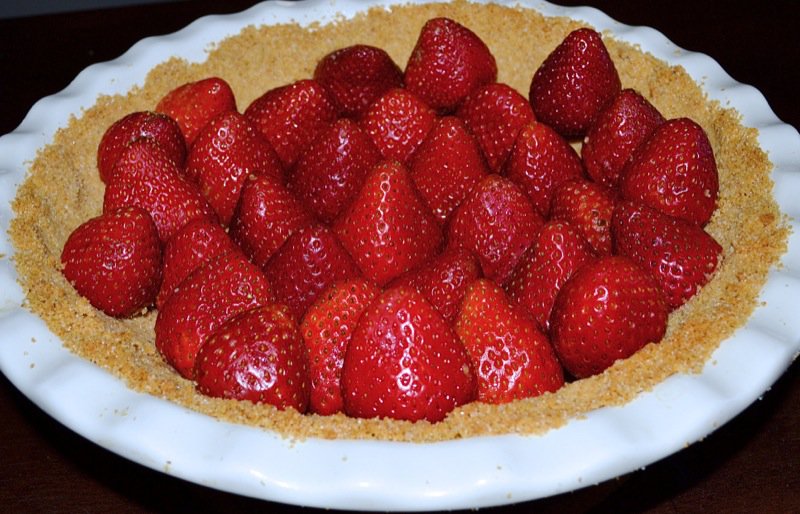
387 228
616 133
137 125
511 357
211 295
446 166
332 169
405 362
444 279
310 260
327 329
257 355
193 245
448 62
194 104
356 76
291 116
608 310
675 172
145 176
588 207
498 223
398 122
224 153
266 216
114 261
540 161
574 83
557 253
680 255
495 113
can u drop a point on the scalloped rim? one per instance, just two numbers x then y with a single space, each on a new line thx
365 475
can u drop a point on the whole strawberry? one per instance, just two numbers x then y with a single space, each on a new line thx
310 260
327 328
674 171
588 207
145 176
398 122
495 113
615 135
444 279
225 152
608 310
215 292
291 116
332 169
511 357
356 76
681 256
446 166
448 62
574 83
257 355
405 362
558 252
193 245
387 228
194 104
114 261
266 216
497 223
138 125
540 161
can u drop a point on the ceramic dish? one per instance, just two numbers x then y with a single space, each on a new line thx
367 475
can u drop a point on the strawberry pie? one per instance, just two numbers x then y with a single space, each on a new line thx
469 220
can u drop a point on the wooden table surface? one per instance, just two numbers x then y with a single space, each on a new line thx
752 464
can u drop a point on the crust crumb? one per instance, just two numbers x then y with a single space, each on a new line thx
63 189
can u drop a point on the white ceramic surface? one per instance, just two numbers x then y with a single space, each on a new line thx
368 475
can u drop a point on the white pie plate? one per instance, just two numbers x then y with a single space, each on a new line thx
368 475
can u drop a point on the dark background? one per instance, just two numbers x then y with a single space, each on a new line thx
18 9
752 464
